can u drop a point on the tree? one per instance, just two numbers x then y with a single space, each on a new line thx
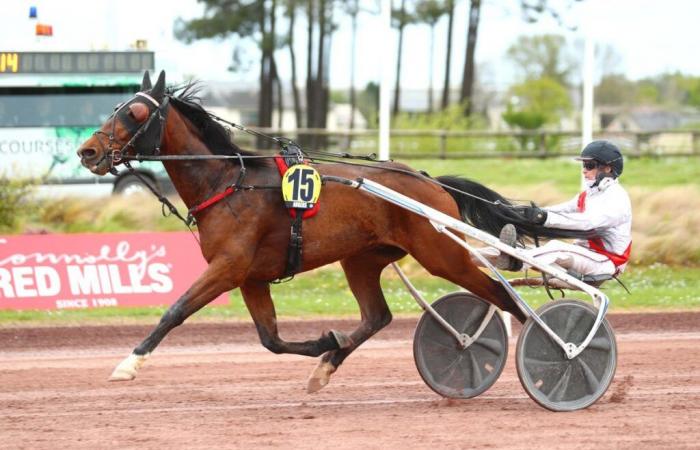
317 93
615 90
245 19
465 97
290 12
368 103
353 9
532 10
448 58
542 56
430 12
543 97
401 19
535 103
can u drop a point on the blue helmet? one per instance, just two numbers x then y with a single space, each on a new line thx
605 153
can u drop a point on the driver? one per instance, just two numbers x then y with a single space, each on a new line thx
603 206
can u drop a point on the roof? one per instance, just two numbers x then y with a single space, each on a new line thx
648 119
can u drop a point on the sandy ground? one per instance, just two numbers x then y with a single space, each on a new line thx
214 386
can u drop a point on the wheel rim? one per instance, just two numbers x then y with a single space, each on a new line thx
548 376
445 367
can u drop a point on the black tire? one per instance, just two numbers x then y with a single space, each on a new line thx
548 376
444 365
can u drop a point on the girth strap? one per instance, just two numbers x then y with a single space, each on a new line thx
294 252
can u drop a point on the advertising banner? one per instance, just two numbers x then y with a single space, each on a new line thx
60 271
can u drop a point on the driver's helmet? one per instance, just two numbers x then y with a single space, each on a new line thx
604 152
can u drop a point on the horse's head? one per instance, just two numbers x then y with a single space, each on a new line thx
135 127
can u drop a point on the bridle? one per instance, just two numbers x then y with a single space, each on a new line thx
152 135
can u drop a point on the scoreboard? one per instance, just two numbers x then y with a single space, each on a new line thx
75 62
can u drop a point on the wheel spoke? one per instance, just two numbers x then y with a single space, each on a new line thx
432 341
559 389
447 371
572 323
474 314
492 345
534 363
600 343
545 344
591 380
477 378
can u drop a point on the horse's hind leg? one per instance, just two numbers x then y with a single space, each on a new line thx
212 283
256 295
363 273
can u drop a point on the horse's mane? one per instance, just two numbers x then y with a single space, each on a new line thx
185 98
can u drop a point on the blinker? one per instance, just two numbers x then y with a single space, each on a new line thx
152 118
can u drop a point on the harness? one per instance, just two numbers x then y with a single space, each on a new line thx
597 245
291 155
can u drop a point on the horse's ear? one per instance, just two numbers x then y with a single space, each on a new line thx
146 83
159 89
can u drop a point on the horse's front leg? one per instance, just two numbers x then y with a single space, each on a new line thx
256 295
216 279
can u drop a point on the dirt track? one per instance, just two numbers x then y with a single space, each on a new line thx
213 386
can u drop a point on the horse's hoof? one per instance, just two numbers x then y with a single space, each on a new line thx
122 375
126 370
342 339
320 377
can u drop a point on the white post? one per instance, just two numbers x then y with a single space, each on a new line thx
588 74
385 85
587 107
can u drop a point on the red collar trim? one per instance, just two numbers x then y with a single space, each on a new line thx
281 167
211 200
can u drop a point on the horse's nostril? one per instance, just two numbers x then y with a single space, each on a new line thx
87 153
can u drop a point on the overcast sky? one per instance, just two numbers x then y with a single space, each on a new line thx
651 37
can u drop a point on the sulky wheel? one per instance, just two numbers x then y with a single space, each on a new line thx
449 369
548 376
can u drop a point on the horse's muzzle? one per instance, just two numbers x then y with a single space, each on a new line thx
92 160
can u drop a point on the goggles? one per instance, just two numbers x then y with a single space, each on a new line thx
590 164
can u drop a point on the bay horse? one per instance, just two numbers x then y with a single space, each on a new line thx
244 238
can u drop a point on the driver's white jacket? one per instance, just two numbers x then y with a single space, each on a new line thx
605 208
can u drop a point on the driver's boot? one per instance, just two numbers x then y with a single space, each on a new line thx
504 261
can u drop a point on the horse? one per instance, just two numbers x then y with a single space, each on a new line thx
244 237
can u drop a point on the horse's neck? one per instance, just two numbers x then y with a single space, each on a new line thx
195 181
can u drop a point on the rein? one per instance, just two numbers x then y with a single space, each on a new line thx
325 157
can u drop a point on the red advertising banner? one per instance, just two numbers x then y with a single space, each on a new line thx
59 271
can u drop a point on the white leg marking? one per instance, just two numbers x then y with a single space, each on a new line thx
126 370
320 377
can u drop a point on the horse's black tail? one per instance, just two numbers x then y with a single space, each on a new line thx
497 211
